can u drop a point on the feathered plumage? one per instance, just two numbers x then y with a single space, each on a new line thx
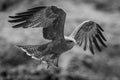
90 33
52 19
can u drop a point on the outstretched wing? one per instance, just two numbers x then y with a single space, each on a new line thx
90 33
51 18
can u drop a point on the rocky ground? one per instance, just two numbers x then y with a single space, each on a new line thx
76 64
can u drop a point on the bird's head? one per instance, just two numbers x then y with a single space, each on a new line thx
69 41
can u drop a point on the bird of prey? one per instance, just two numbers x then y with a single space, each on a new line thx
52 20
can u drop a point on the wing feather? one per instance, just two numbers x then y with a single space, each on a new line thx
96 44
81 39
20 24
85 44
18 20
99 27
100 40
90 33
99 32
51 18
25 13
19 16
91 45
42 16
37 8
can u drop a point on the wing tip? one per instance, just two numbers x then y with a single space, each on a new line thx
39 7
100 27
15 26
11 21
11 16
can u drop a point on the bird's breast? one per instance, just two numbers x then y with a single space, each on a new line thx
60 48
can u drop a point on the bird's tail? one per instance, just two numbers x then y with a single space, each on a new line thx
35 51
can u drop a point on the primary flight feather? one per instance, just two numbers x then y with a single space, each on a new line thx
52 19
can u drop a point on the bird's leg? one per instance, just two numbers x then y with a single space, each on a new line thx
50 64
52 67
55 58
53 61
47 59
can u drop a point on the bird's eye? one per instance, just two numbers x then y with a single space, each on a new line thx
69 41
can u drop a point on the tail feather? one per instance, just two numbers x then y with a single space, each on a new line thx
36 52
31 50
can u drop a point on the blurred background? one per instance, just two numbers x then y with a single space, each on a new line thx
76 64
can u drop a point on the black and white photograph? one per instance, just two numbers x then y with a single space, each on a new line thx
59 40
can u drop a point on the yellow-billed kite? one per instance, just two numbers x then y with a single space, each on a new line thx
52 19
